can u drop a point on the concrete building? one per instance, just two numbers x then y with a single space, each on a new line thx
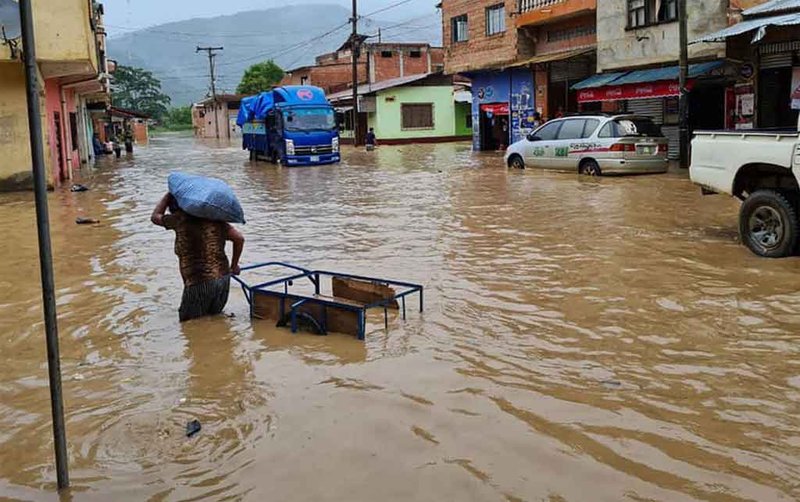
423 108
224 110
765 92
70 46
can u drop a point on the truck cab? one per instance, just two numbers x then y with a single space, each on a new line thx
762 169
293 125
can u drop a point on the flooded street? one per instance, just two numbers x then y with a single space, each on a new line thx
583 339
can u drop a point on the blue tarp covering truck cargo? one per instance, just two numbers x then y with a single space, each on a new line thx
294 125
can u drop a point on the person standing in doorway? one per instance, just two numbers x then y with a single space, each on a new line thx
200 246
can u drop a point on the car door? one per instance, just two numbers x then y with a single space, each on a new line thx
540 152
567 144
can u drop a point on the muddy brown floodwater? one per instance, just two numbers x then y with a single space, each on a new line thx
583 340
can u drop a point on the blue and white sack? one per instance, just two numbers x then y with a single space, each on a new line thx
203 197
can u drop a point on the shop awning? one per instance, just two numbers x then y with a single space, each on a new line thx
556 56
639 84
495 108
758 25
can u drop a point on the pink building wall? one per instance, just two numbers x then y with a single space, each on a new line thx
59 165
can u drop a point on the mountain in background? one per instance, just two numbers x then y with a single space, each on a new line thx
293 36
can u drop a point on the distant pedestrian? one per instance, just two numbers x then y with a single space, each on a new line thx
200 246
537 120
371 140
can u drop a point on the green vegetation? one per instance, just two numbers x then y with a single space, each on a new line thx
137 89
176 119
260 77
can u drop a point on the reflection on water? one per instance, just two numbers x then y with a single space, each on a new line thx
583 340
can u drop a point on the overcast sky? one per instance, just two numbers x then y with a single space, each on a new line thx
123 15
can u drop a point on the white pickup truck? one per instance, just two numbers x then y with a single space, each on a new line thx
763 170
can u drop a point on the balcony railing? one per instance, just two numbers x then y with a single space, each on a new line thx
531 5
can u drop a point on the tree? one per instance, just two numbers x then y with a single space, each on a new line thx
260 77
137 89
178 119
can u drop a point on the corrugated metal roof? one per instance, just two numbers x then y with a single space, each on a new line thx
379 86
652 75
773 7
760 24
598 80
556 56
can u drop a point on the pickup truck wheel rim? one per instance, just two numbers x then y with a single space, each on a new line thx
766 227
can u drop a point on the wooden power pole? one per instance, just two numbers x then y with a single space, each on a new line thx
683 104
355 52
211 55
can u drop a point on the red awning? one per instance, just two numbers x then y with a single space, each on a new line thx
495 108
646 90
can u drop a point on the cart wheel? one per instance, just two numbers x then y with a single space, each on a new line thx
305 322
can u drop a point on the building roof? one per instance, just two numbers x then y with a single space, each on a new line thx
223 98
380 86
651 75
749 25
124 112
773 7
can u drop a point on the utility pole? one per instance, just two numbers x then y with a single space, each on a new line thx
45 250
211 56
355 52
683 105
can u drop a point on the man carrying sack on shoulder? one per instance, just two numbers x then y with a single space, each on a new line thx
200 247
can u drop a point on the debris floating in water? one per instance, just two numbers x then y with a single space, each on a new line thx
193 428
79 188
86 221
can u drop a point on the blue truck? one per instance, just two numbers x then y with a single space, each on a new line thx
294 125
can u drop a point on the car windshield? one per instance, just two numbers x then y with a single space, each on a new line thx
309 119
637 126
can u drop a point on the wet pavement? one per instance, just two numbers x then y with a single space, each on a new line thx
583 339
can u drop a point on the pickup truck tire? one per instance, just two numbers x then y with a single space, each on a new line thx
768 224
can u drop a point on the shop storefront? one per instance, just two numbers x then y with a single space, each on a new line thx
502 107
654 93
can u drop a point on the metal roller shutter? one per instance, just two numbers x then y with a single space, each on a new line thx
772 61
673 134
653 108
570 70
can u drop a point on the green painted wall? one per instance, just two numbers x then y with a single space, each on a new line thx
388 119
463 110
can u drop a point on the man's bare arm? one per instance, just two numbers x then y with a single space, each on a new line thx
161 208
237 238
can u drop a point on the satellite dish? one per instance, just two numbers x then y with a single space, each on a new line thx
9 18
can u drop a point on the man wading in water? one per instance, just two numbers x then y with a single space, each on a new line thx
200 246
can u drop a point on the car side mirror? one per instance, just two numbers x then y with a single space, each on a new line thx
533 137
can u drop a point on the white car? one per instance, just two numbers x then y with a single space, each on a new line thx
594 145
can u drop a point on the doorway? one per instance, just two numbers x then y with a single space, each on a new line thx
774 91
707 108
494 129
59 139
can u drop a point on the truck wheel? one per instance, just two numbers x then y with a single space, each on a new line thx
516 162
768 224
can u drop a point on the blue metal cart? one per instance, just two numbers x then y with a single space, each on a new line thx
344 310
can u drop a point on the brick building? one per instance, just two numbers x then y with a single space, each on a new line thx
377 62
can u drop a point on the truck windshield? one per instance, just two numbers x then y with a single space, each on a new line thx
309 119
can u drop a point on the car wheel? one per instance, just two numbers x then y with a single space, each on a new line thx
768 224
590 167
516 162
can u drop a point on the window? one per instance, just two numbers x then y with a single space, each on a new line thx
415 54
417 116
605 132
646 12
572 129
631 127
460 28
548 131
386 54
495 19
590 127
668 11
637 13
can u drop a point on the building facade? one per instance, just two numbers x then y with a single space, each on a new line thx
70 48
224 110
423 108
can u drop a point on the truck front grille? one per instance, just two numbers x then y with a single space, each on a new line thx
313 150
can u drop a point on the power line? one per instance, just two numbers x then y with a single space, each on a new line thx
398 4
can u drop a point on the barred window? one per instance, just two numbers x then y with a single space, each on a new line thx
460 28
495 19
417 116
637 13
